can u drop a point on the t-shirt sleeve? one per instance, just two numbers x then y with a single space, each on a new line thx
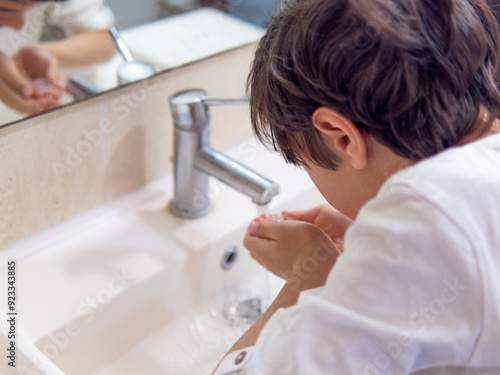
77 15
404 296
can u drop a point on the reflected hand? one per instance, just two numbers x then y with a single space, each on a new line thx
327 218
292 249
41 67
12 77
19 92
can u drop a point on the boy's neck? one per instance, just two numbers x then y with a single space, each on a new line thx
478 133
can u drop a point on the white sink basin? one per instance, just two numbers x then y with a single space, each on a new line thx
129 289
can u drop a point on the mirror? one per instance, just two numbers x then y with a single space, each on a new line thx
76 32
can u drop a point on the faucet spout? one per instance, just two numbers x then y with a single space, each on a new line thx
195 160
234 174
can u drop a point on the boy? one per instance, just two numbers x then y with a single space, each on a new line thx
391 108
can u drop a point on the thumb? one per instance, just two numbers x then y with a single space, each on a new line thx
53 75
263 229
295 215
275 230
14 77
308 215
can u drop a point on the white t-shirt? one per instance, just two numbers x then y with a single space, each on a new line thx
71 17
417 290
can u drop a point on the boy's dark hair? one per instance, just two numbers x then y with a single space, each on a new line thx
415 74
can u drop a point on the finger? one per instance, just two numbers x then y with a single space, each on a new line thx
52 70
262 229
256 245
275 230
13 77
43 88
271 217
49 102
54 76
296 215
308 215
23 105
38 63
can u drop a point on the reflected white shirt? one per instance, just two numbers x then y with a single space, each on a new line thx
71 17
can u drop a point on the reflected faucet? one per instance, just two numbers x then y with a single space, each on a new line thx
195 160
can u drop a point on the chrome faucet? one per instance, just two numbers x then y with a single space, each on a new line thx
195 160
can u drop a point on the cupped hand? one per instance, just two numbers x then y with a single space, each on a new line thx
20 92
327 218
291 249
41 66
14 78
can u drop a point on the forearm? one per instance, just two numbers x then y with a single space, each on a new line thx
287 248
288 296
85 48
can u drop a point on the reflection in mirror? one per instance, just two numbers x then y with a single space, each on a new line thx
131 70
41 42
63 50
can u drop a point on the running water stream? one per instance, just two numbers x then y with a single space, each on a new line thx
266 293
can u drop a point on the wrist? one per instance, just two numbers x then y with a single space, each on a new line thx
313 271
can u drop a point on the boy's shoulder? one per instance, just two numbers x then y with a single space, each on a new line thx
457 170
462 182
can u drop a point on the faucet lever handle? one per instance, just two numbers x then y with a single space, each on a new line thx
212 101
120 44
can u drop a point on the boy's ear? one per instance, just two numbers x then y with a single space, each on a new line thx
342 136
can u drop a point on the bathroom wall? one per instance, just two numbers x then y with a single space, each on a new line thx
62 163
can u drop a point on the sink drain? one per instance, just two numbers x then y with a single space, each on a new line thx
229 257
247 311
